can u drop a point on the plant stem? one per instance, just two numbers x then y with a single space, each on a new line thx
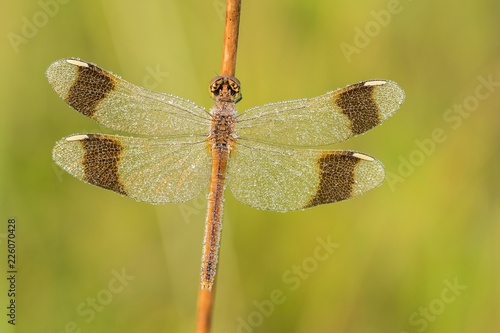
233 8
206 296
206 300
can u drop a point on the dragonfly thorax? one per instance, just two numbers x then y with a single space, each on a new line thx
223 124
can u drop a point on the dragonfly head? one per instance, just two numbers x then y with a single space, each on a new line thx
225 89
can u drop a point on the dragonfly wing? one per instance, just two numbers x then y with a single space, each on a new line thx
145 169
279 179
120 105
331 118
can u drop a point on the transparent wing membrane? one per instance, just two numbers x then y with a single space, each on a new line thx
280 179
331 118
155 170
120 105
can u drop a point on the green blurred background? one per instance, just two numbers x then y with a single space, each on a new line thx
418 254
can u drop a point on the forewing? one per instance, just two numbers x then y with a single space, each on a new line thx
327 119
120 105
145 169
274 178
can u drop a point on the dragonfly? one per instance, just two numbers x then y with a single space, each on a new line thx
265 155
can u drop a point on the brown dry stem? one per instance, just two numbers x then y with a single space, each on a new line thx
206 297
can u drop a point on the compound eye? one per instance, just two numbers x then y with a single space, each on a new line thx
234 83
215 85
235 89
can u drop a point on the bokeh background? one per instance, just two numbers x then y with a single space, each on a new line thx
418 254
